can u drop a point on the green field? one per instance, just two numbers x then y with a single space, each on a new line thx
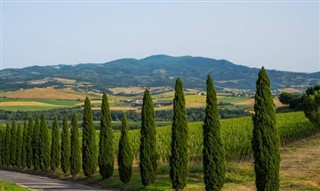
10 186
236 134
12 104
24 104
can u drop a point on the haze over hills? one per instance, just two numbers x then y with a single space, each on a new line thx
157 70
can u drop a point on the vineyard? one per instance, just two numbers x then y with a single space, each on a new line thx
236 134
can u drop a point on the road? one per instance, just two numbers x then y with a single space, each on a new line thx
43 183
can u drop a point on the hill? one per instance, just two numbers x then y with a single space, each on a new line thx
153 71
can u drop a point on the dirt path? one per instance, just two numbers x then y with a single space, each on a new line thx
43 183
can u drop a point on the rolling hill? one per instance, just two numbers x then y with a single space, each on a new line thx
157 70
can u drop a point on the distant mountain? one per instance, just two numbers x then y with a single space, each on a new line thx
157 70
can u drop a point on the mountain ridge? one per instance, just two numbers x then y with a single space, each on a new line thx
154 70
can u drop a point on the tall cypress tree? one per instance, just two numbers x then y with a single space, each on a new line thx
13 144
44 144
7 146
125 156
75 160
2 146
19 141
148 144
89 148
106 153
265 141
179 168
65 146
36 144
2 138
29 143
24 145
55 146
213 151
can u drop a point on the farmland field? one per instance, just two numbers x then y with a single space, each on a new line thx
48 93
236 134
39 99
11 104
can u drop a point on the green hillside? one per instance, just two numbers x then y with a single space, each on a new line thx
158 70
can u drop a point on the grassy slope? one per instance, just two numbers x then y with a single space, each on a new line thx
10 186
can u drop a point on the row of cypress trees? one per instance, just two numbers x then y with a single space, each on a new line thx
31 147
265 141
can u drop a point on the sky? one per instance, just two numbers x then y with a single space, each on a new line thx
281 35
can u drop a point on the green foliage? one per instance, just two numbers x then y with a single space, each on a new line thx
24 145
7 146
13 144
44 144
293 100
55 146
29 143
265 141
65 146
125 157
19 144
213 151
89 148
36 144
2 141
148 144
106 153
75 158
179 169
311 104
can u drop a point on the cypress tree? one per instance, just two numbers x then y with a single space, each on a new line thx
55 146
13 144
125 156
65 146
36 144
148 152
44 144
75 160
1 147
7 146
179 168
89 148
29 143
265 141
24 145
106 153
19 141
213 151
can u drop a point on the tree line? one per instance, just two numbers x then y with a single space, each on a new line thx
30 147
194 114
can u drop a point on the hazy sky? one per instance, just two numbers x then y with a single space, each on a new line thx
278 35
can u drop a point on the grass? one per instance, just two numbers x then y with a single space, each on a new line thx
10 186
13 104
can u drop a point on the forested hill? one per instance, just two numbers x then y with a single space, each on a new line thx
157 70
